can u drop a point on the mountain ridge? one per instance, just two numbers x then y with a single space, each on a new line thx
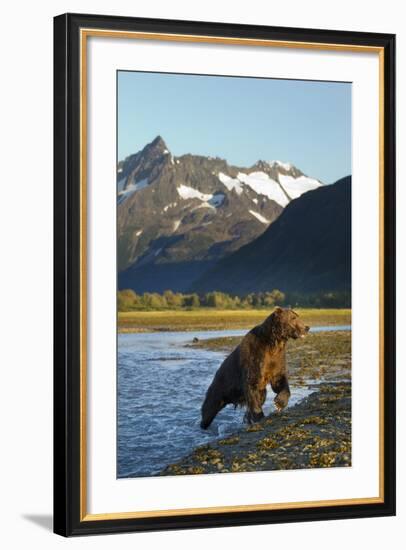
177 212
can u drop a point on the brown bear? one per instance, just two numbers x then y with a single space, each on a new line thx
259 360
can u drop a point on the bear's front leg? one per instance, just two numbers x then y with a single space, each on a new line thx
281 388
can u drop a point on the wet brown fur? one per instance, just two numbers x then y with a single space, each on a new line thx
259 360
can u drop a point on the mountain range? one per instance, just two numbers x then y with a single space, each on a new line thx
181 217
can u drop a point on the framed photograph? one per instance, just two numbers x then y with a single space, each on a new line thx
224 274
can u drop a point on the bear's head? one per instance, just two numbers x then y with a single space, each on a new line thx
284 323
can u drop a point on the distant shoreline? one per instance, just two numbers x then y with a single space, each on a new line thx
217 319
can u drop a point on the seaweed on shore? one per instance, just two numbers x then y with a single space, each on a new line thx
316 433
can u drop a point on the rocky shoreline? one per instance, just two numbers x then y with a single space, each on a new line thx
315 433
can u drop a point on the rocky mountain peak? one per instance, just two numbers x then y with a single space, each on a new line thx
276 167
139 170
158 145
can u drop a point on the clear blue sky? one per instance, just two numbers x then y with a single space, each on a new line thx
242 120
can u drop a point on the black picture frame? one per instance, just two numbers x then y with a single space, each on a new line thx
68 519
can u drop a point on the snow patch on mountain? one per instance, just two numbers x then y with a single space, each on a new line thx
231 183
170 205
120 185
260 218
141 184
281 191
259 182
123 194
262 184
208 200
295 187
176 224
203 205
186 192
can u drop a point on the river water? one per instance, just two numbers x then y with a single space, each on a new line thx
161 385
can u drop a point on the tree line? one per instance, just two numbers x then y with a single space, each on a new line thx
128 300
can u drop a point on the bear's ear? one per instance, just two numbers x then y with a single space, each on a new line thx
278 310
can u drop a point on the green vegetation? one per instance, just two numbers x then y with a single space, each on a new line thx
128 300
219 319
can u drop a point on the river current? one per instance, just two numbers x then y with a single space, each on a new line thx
161 385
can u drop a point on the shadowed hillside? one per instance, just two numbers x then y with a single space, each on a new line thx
307 249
